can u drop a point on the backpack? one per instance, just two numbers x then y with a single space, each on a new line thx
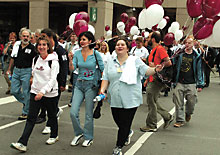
35 60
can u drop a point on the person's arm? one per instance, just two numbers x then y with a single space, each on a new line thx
11 64
6 48
71 66
167 62
153 70
104 86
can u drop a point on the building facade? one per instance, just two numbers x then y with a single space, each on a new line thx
55 14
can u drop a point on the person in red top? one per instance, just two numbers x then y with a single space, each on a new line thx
156 57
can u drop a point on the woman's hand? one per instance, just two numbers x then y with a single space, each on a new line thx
70 55
38 96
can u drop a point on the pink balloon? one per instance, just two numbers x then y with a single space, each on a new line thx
168 39
210 8
203 28
80 26
194 8
150 2
124 17
154 28
132 21
216 18
167 19
82 15
107 27
127 28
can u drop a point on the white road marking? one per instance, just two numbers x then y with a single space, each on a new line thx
137 145
7 100
11 124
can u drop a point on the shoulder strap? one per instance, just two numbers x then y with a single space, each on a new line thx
154 55
96 60
134 50
50 63
35 59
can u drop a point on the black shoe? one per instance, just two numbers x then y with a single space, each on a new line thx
8 92
40 120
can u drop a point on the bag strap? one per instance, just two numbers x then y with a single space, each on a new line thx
154 55
96 60
35 60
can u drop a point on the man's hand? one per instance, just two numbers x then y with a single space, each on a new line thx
199 89
62 88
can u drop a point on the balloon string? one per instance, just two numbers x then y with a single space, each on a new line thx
186 21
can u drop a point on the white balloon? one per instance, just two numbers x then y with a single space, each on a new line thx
134 30
210 41
174 27
153 15
178 35
121 27
72 20
162 24
91 29
109 33
146 34
216 30
138 32
169 30
135 37
141 19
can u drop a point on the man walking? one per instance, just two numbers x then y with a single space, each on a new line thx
22 55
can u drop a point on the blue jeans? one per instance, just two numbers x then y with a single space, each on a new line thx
75 76
83 90
21 80
2 61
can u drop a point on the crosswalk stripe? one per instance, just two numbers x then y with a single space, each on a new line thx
7 100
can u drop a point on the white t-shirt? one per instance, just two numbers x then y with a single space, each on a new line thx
139 52
105 57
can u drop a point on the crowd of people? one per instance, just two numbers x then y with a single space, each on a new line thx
130 69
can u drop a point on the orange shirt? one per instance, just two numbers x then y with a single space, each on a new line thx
161 53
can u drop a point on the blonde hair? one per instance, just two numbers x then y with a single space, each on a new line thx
107 48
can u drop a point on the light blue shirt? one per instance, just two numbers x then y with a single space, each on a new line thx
120 94
87 68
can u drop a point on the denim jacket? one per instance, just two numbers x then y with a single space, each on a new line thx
197 68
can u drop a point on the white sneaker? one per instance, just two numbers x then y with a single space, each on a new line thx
87 143
19 147
76 139
128 140
46 130
52 140
59 113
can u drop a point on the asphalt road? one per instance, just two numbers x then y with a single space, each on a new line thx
200 136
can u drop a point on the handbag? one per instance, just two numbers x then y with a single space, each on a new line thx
97 84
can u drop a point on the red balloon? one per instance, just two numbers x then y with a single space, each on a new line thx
167 19
124 17
168 39
82 16
107 27
185 28
210 8
127 28
194 8
142 34
216 18
150 2
203 28
80 26
132 21
154 28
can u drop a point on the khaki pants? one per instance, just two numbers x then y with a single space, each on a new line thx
189 92
153 90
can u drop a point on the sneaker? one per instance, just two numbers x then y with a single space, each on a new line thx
19 147
178 124
46 130
52 140
76 139
144 92
117 151
167 122
187 117
8 92
87 143
128 140
22 117
69 105
59 113
148 129
40 120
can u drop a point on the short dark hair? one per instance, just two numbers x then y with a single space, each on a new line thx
88 35
157 36
125 40
48 32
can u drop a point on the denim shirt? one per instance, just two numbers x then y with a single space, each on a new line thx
87 68
120 94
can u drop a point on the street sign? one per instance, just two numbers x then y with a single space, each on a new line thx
93 14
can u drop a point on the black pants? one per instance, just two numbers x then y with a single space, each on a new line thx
43 108
123 118
207 75
50 105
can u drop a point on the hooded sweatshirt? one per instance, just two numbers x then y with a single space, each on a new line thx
45 76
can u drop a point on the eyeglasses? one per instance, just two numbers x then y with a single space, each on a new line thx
25 36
